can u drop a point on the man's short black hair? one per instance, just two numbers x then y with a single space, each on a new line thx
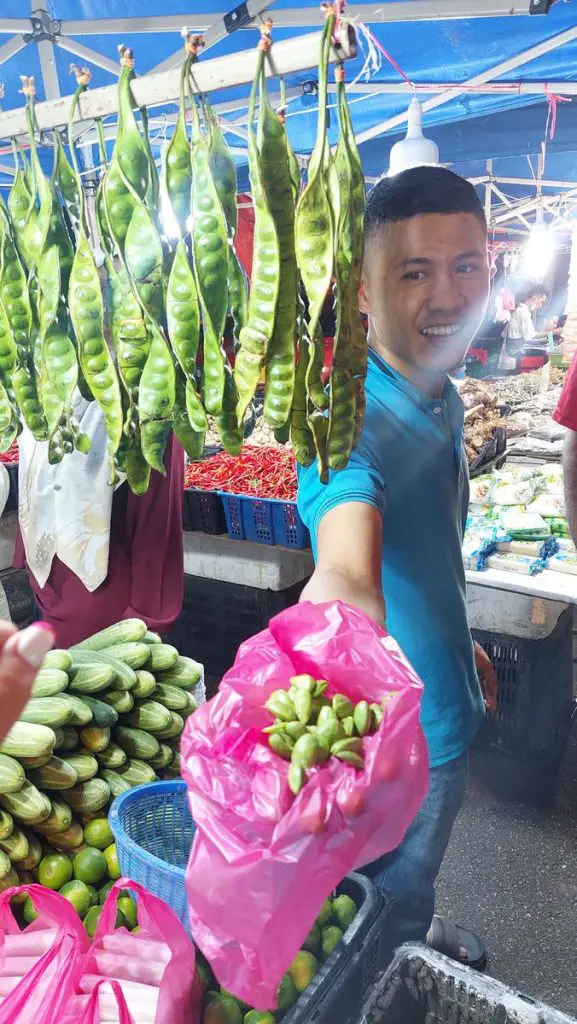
420 190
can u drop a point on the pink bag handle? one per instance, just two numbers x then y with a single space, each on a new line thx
165 920
43 1005
92 1007
50 906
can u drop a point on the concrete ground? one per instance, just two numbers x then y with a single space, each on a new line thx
510 874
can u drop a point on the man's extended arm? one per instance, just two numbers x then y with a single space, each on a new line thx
349 560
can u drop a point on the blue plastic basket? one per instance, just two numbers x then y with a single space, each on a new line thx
153 830
264 520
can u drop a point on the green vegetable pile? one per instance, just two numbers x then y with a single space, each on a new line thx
158 300
221 1007
103 717
309 727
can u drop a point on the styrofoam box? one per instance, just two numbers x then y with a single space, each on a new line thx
251 565
8 524
510 613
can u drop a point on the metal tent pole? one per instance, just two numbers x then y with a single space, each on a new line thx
485 76
290 56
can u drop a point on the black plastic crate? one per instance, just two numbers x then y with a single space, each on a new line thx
12 502
19 596
349 973
202 511
491 455
217 617
535 696
425 987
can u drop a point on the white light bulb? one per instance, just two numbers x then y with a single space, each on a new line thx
414 150
538 253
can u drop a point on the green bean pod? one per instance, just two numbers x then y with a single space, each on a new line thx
314 235
359 347
152 194
137 468
255 337
144 259
210 251
177 167
130 150
237 294
66 182
156 397
19 200
87 315
182 312
227 424
342 407
131 340
191 439
300 432
280 359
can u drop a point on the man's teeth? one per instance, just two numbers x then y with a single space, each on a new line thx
442 331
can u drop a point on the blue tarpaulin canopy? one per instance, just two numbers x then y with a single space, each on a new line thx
489 122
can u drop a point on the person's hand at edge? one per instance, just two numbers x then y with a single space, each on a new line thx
487 678
21 655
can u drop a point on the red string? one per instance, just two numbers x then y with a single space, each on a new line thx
552 100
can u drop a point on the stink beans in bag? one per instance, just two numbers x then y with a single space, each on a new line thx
154 968
41 965
263 859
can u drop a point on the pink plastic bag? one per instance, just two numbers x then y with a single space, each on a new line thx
42 995
263 862
179 995
91 1014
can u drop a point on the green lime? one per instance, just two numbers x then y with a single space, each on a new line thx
93 892
313 939
127 907
345 911
114 871
89 866
287 994
325 915
28 911
55 870
331 937
98 833
204 972
258 1017
103 892
222 1010
91 920
78 895
303 969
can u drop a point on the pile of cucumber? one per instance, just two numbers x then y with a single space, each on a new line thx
104 716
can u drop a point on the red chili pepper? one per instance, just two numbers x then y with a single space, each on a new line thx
12 455
257 472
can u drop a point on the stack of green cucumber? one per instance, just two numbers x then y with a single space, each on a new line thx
104 716
129 335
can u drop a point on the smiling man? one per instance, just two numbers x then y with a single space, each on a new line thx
387 530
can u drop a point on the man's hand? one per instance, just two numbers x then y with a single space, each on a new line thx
487 678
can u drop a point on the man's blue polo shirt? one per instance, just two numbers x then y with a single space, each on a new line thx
411 466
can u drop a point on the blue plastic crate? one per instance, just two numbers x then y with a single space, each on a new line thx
153 830
265 521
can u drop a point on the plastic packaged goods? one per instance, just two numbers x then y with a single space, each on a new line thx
519 524
533 548
259 844
518 492
563 562
549 506
480 490
154 969
41 965
516 563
